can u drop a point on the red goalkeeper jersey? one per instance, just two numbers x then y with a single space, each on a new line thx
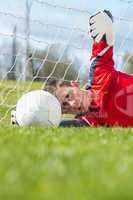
112 91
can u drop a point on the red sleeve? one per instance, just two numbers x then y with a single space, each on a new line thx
101 78
101 66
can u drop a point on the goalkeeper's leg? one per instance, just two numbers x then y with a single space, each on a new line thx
73 123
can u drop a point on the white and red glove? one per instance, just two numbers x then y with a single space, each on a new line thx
101 27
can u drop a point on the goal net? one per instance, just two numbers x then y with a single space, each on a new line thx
43 39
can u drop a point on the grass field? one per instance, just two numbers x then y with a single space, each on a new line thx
62 164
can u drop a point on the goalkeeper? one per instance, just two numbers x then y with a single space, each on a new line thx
107 99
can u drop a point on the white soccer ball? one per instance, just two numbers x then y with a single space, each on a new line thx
38 108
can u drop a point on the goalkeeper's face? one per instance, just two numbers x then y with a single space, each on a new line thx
73 99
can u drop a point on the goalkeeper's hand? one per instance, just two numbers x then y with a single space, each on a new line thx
101 27
13 117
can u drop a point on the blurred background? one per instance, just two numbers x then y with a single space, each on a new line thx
49 38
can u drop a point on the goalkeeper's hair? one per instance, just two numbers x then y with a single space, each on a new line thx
52 84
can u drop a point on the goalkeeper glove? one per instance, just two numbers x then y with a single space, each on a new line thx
101 27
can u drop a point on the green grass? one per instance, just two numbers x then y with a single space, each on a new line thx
63 164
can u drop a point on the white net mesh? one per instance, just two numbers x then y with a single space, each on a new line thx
43 39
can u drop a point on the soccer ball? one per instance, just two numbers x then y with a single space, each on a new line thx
38 108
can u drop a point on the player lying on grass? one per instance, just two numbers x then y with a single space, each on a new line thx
108 98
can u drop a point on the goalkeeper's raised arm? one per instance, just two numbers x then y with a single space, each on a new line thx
102 32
